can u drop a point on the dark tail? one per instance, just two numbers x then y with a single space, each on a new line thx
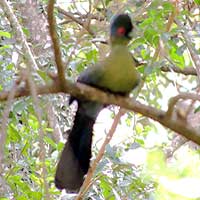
75 158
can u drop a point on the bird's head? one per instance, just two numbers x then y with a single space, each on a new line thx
121 29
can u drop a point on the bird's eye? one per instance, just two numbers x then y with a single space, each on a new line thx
121 31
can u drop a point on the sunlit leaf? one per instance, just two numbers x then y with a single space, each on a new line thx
5 34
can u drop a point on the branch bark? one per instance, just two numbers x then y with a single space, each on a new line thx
184 96
87 182
83 91
186 71
55 41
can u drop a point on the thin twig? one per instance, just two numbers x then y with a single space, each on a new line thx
174 100
193 52
38 113
21 37
77 20
4 117
87 182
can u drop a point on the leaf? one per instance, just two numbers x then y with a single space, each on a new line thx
13 133
168 6
21 198
178 59
60 146
48 140
137 42
26 148
197 109
5 34
19 106
197 2
5 47
151 36
35 195
33 122
10 66
26 31
43 75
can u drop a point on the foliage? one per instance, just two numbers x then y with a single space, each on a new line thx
116 177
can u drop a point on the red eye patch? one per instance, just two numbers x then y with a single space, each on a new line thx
121 31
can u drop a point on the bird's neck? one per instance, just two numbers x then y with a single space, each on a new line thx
119 52
119 61
118 41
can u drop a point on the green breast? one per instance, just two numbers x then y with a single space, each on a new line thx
119 73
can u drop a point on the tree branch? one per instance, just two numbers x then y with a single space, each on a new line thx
193 52
174 100
4 121
77 20
83 91
87 182
186 71
56 45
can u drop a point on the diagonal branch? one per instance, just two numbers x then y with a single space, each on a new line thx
87 182
193 52
56 45
83 91
174 100
3 127
77 20
19 32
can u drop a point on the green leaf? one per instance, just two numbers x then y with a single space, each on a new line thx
5 47
10 66
13 133
19 106
60 146
26 148
26 31
197 109
5 34
197 2
33 122
48 140
49 130
178 59
151 36
43 75
21 198
35 195
137 42
168 7
146 23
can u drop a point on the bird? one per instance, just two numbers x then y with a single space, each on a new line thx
116 74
